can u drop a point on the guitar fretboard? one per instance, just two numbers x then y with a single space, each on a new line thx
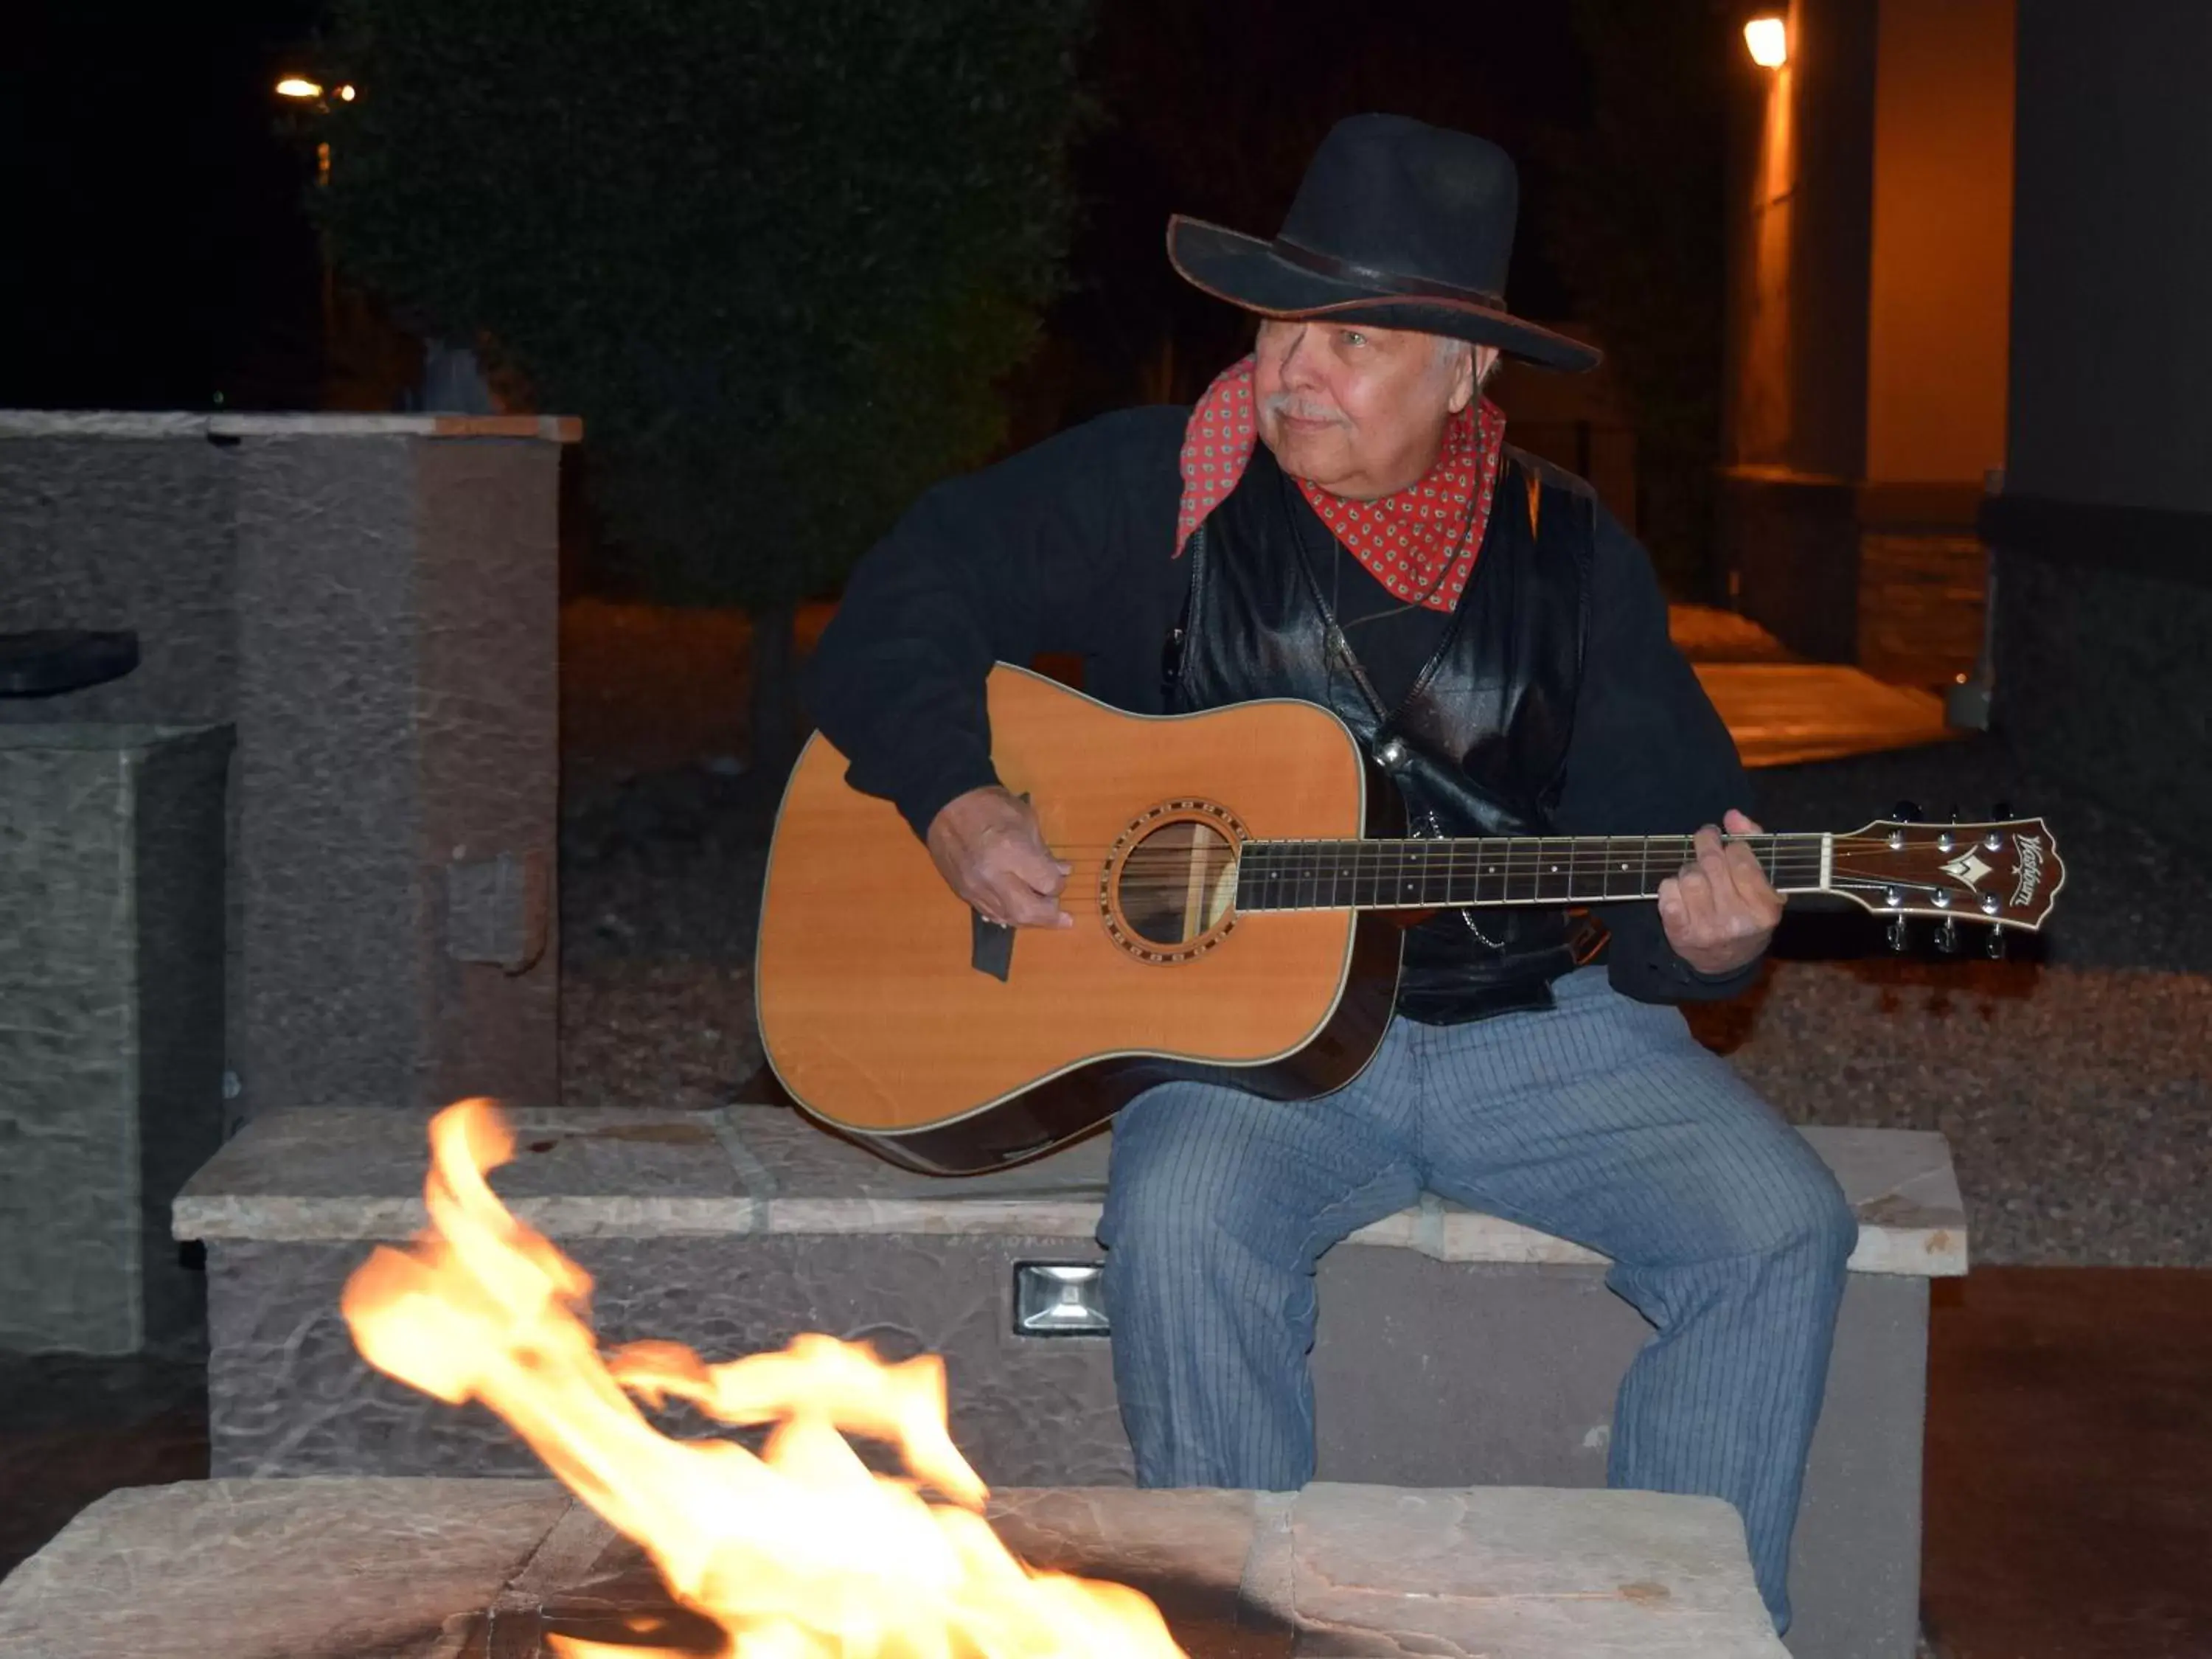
1438 875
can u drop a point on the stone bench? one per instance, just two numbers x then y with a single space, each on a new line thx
1455 1349
444 1569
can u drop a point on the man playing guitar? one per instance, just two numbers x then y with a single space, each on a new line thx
1339 521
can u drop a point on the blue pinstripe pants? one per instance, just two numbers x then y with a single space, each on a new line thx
1601 1121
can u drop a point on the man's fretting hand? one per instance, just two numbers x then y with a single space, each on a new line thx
1720 910
989 849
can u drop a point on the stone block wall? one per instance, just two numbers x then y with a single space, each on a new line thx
110 1026
371 603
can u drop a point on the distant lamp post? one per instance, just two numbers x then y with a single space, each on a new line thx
1768 37
294 86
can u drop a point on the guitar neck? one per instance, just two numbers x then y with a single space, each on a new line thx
1439 875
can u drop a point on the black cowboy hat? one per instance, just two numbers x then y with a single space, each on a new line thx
1396 224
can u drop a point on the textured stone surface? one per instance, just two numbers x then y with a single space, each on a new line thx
371 602
348 1570
1922 598
1381 1569
107 533
2103 676
396 623
1429 1373
288 1395
1446 1355
356 1175
111 1052
356 1172
273 1570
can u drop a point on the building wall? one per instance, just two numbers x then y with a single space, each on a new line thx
1794 413
2103 532
1866 376
1799 228
1939 288
2112 335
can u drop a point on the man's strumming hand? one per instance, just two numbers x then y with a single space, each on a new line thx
1720 910
989 849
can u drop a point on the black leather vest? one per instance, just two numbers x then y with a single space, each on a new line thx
1478 747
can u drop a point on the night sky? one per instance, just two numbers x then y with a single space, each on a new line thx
155 254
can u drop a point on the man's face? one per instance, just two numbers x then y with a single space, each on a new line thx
1357 410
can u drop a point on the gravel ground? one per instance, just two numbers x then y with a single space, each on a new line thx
660 881
2073 1079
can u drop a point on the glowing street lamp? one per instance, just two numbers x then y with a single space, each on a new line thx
297 86
1768 37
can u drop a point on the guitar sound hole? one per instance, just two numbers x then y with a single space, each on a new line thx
1178 883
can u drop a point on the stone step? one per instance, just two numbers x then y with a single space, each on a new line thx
348 1173
438 1569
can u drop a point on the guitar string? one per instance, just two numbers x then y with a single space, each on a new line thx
1806 839
1792 860
1795 874
1175 868
1594 886
1280 860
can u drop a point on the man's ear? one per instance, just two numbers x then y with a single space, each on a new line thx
1468 372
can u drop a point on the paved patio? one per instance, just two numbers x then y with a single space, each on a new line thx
1783 712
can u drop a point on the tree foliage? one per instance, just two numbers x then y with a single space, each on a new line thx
775 254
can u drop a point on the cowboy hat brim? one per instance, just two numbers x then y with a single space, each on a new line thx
1247 271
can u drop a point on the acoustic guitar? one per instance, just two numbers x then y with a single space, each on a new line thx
1240 893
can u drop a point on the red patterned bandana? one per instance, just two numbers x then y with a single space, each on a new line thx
1402 540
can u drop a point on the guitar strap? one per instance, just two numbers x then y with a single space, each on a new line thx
1171 648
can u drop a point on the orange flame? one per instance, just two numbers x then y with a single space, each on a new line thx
801 1552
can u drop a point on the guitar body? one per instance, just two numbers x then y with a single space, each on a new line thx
882 1007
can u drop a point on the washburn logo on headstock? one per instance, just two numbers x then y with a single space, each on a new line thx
1968 867
2031 867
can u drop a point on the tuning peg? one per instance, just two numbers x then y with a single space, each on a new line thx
1905 812
1955 811
1901 934
2001 810
1947 936
1994 946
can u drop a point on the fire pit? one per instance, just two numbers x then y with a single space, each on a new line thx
805 1549
486 1568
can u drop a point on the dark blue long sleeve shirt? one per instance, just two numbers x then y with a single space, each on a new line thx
1068 549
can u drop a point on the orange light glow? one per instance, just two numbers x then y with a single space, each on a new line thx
347 95
294 86
801 1552
1768 38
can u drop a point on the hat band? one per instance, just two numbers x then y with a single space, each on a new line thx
1394 283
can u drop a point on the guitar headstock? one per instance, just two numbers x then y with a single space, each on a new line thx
2006 873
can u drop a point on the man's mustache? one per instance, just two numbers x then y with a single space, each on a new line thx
1300 409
